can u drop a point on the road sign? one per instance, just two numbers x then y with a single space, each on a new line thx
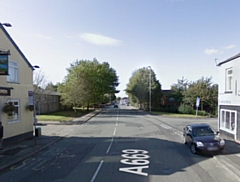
198 102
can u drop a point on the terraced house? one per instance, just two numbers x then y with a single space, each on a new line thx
16 90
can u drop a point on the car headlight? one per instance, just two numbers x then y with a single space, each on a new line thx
199 144
222 143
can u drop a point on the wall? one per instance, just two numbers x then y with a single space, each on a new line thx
19 92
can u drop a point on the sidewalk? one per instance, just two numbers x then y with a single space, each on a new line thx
17 152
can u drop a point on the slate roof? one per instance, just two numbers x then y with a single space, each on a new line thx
229 59
15 46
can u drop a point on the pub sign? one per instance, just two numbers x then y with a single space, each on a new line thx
3 64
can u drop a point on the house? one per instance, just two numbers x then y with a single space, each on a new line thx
47 101
16 88
168 100
229 98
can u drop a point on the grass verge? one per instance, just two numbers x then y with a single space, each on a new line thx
62 115
177 115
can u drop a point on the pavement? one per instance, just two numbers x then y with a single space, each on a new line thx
15 153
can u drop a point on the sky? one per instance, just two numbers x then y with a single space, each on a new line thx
176 38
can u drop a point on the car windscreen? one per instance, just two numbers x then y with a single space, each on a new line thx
203 131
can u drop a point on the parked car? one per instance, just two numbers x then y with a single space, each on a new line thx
115 105
202 138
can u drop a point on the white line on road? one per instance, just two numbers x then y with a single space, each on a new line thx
114 132
110 145
96 173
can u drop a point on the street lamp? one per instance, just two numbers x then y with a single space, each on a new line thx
150 81
6 24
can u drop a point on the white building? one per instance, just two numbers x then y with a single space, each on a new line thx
229 98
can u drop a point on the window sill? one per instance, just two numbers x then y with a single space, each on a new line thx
228 130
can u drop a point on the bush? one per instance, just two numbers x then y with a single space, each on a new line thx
185 109
202 113
171 109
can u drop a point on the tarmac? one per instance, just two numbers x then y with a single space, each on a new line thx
17 152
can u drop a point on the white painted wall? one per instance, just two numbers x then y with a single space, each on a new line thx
234 97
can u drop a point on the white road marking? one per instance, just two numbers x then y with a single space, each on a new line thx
114 132
96 173
109 147
136 158
175 131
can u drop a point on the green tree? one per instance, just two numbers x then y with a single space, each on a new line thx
87 82
204 89
179 88
52 87
138 88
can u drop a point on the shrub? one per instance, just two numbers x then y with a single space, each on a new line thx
202 113
185 109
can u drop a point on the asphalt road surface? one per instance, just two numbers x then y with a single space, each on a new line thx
120 145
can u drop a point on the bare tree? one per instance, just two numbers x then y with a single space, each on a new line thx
40 83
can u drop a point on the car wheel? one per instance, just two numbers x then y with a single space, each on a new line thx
221 151
193 149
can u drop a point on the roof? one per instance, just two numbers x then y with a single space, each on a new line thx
48 92
15 45
229 59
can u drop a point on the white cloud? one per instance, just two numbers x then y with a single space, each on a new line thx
99 39
40 36
211 51
230 47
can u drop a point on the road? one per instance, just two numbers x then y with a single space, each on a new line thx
120 145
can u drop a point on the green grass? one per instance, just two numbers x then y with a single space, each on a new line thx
62 115
177 115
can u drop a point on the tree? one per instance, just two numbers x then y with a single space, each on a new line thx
138 88
204 89
52 87
179 89
39 85
87 82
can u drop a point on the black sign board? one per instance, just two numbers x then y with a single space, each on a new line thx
5 91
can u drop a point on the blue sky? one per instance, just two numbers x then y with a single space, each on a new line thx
177 38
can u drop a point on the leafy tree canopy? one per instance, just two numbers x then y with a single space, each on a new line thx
138 87
87 82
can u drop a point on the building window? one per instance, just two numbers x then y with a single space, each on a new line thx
228 120
14 116
229 80
13 72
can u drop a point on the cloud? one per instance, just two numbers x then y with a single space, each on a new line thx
211 51
40 36
99 39
230 47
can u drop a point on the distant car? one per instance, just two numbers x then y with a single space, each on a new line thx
202 138
115 105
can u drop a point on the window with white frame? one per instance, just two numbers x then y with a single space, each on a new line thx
229 80
13 72
14 115
228 119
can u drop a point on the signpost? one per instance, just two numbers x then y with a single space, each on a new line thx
197 105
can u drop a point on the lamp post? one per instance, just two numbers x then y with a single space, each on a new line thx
150 86
34 110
